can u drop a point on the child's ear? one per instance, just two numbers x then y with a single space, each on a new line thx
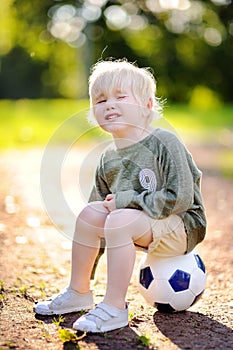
150 103
149 108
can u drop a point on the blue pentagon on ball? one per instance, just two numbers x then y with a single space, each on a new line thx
179 280
146 277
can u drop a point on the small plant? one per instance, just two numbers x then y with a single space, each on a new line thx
42 286
106 335
1 286
23 290
144 339
46 334
58 321
82 312
67 336
2 297
131 315
10 345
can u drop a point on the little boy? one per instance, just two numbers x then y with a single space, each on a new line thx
146 193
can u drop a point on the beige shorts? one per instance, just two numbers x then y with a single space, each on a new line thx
169 237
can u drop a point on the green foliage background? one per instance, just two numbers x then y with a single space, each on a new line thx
188 49
47 49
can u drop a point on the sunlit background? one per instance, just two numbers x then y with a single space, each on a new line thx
48 47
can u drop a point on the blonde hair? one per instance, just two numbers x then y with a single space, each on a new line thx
107 75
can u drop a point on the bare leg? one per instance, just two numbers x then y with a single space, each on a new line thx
120 266
89 228
83 259
122 228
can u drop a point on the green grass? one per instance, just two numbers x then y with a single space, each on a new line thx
32 123
35 123
226 163
201 125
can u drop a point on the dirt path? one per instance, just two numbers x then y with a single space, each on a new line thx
35 262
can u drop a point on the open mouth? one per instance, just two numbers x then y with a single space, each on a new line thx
112 117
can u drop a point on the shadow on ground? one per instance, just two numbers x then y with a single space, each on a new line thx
193 330
187 330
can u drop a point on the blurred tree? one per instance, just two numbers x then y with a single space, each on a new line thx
54 43
32 62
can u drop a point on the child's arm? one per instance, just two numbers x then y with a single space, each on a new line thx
100 189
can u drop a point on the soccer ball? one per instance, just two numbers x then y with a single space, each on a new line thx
172 284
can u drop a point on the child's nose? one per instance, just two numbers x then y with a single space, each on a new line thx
110 104
109 107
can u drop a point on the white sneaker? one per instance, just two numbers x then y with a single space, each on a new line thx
103 318
66 301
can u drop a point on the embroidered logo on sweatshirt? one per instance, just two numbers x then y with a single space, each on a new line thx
147 179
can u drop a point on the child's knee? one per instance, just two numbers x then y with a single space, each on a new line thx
117 230
90 225
93 214
124 226
115 219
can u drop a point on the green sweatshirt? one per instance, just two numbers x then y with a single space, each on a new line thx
156 175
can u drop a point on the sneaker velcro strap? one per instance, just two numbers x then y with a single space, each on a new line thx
104 312
101 314
110 310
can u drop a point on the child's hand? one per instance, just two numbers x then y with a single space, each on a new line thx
109 202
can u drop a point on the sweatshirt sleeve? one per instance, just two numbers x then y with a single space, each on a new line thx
100 188
177 191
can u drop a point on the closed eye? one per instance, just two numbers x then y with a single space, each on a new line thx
101 101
